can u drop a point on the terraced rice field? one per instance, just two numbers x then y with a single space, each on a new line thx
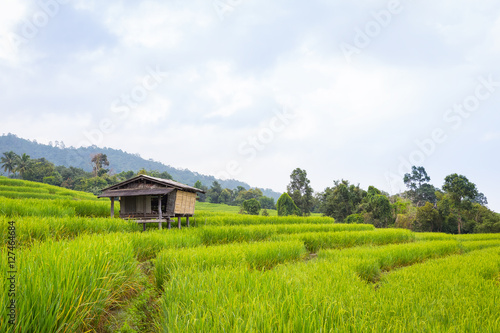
79 271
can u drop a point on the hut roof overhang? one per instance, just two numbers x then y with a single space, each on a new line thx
163 186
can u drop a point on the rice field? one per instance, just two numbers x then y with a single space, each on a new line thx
78 271
22 189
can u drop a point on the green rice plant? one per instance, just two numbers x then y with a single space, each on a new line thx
225 219
217 208
212 235
331 240
479 244
431 236
67 286
21 189
457 293
146 245
476 237
262 255
337 227
33 207
91 208
16 185
369 261
32 228
205 208
31 195
289 298
55 208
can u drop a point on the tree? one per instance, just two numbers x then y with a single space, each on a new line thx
267 203
251 206
54 179
225 196
98 162
72 176
39 169
381 209
300 191
418 189
341 200
461 191
23 164
9 162
242 195
427 219
480 199
286 206
214 192
202 197
94 185
124 175
417 177
157 174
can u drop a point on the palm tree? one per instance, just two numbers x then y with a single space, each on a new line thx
23 164
9 162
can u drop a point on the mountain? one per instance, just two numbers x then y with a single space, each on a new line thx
119 160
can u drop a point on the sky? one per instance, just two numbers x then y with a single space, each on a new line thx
251 90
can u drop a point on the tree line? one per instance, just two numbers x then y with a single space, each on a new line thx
457 207
251 200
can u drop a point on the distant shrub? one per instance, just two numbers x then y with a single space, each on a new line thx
251 206
355 218
286 206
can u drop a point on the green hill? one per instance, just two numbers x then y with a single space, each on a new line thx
120 160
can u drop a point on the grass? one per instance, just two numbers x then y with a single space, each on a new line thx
80 271
211 235
16 188
30 229
370 261
332 240
225 219
146 245
261 255
453 293
67 286
55 207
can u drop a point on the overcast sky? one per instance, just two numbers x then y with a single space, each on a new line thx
356 90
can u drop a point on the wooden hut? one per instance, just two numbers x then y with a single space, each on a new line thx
149 199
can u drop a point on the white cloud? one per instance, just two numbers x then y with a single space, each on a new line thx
226 77
11 14
490 136
152 24
229 92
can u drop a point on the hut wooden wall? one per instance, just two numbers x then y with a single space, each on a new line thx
138 204
171 203
184 202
